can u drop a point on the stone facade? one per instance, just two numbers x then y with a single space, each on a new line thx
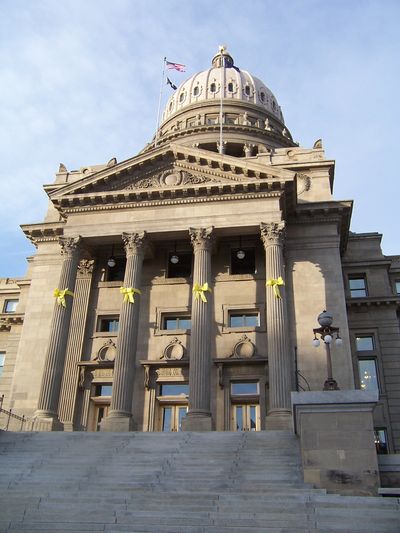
210 342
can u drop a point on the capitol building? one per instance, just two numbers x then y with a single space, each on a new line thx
180 290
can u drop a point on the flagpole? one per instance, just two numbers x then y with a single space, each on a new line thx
159 103
222 83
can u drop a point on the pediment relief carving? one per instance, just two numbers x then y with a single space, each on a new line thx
167 179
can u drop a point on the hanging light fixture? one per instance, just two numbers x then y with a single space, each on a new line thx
174 258
240 254
111 262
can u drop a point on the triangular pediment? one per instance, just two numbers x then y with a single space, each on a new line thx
173 169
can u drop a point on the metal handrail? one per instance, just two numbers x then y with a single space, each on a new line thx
299 386
10 414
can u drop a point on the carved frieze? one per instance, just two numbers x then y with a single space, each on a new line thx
167 179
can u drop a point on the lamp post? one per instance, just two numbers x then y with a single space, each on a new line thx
326 331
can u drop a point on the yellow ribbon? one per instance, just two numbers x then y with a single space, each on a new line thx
199 291
275 284
128 293
60 295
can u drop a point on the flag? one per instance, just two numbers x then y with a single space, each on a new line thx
169 82
175 66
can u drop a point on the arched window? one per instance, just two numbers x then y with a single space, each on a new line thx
213 88
262 96
230 87
181 97
247 90
196 91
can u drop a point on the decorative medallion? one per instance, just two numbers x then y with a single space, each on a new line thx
174 350
244 348
107 352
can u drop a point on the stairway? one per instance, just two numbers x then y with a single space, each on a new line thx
172 483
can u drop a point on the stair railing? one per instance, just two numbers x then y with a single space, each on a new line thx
10 415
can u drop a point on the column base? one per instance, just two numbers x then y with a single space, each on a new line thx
118 423
279 420
46 421
197 421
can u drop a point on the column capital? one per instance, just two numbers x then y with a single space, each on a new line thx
69 245
201 238
272 233
85 268
133 242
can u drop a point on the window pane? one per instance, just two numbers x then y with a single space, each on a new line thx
2 360
364 343
244 388
167 412
174 389
397 284
252 320
177 322
10 306
358 287
109 324
367 373
236 321
253 421
181 413
184 323
239 418
103 390
380 441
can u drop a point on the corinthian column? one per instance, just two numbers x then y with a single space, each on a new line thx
279 361
46 417
198 417
120 415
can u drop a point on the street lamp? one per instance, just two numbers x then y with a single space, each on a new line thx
326 331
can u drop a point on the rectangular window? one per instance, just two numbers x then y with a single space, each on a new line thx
174 389
380 441
179 264
109 324
365 343
397 286
103 390
249 388
212 120
243 261
2 361
117 272
242 320
358 286
10 306
176 322
368 374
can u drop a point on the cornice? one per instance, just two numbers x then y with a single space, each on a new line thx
10 319
117 204
372 301
43 232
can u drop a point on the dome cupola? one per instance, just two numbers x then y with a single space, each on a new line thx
224 95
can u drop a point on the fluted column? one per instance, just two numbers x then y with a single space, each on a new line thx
279 361
46 414
69 386
120 414
198 417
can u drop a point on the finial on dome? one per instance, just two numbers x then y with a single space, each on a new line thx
222 58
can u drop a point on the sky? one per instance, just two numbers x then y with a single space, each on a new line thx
80 83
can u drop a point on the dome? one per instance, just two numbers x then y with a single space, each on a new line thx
237 86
